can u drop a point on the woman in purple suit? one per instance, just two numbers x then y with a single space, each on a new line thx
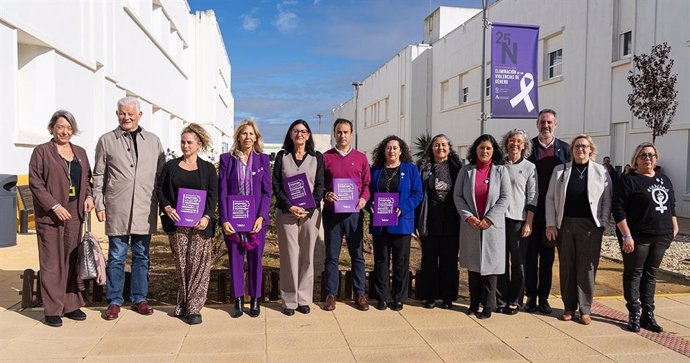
246 171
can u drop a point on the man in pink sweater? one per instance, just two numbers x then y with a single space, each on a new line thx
343 161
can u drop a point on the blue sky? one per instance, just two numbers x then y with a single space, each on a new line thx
298 58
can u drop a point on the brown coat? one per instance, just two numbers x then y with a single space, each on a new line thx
49 182
124 185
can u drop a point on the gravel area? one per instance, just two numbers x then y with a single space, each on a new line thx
676 259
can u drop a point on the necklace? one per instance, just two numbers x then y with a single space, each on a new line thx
581 172
388 175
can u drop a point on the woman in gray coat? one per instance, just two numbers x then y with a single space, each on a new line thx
481 196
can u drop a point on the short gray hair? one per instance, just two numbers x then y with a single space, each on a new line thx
129 100
67 116
517 131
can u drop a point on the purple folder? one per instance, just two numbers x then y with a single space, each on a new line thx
190 206
241 212
384 207
298 191
347 191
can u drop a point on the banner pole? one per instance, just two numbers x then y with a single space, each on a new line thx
482 88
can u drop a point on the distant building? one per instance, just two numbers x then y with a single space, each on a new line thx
83 55
585 54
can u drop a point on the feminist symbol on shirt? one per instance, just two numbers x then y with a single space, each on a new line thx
660 197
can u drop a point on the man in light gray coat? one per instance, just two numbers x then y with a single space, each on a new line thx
127 162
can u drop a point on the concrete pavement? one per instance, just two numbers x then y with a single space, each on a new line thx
414 334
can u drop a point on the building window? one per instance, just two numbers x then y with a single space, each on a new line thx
465 94
487 87
450 93
625 43
376 113
555 63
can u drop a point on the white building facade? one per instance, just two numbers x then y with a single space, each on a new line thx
83 55
585 55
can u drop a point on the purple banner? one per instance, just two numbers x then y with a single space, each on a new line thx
298 191
514 76
190 206
385 209
241 212
347 191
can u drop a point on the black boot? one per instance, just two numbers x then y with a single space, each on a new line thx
239 303
254 309
648 322
634 321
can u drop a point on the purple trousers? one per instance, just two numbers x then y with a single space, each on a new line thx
236 253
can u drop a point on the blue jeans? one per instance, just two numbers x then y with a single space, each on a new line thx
115 269
335 226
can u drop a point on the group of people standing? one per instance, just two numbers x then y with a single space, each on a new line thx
503 214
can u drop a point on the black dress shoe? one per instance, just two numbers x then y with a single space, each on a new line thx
472 309
648 322
382 305
237 311
397 306
447 304
289 312
499 310
53 320
194 319
304 309
544 307
430 304
76 315
510 310
484 314
254 307
531 305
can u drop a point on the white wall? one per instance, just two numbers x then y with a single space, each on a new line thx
590 95
84 55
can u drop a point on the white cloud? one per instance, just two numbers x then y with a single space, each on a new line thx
286 22
249 23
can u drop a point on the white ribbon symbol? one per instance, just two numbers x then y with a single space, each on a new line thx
524 93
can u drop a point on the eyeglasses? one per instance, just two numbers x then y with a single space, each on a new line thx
297 132
61 128
581 146
644 156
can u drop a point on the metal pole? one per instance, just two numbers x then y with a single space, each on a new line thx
482 88
319 116
356 85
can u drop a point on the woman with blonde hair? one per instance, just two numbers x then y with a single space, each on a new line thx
191 246
578 203
645 213
245 171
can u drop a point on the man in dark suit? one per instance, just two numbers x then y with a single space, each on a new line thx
547 152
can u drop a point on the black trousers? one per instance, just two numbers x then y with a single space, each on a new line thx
539 262
399 246
640 268
511 285
439 275
482 290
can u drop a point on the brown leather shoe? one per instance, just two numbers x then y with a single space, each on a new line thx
585 319
329 304
361 302
143 308
112 313
567 315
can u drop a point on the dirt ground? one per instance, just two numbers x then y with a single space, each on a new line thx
163 278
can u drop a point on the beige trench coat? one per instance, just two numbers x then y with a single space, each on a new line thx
125 187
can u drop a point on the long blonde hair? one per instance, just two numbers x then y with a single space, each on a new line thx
258 143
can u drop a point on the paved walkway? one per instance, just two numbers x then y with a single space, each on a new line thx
414 334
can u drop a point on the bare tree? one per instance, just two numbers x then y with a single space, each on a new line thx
653 97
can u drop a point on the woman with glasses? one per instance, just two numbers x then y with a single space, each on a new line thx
60 183
297 227
438 224
644 210
519 215
578 203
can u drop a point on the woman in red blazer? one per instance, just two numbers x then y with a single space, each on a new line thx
60 182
